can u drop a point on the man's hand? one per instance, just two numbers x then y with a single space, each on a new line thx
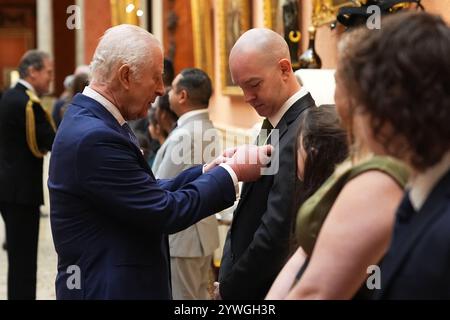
217 161
228 153
247 161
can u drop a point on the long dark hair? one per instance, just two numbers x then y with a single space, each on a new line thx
325 143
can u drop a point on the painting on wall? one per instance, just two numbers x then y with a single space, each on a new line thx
234 19
283 16
325 11
126 11
202 25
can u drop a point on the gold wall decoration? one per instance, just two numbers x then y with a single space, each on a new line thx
234 19
202 35
325 11
273 15
283 17
125 11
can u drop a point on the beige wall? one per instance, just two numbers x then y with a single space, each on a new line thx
226 110
232 111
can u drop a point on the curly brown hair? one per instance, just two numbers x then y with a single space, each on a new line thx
400 77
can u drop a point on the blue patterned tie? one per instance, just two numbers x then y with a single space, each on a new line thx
131 134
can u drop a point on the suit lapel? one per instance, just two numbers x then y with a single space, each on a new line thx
288 118
292 115
410 232
97 109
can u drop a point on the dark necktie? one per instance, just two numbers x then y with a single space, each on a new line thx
405 210
264 134
131 134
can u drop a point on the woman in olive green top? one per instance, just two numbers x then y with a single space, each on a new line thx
313 212
354 212
346 226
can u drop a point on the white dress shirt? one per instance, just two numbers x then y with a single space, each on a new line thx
27 85
286 106
108 105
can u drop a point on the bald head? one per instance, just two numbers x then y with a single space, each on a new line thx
122 44
261 43
260 64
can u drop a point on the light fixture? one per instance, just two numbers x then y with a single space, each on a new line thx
139 13
129 8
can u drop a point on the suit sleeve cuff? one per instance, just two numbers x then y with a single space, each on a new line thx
233 177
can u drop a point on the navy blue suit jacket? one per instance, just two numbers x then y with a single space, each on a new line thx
110 217
417 265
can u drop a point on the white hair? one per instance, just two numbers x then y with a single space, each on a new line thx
122 44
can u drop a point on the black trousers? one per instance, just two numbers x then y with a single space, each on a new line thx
22 232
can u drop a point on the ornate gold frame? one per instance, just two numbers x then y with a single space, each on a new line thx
268 18
119 14
244 24
325 11
202 35
269 13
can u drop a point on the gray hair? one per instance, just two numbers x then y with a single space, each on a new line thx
68 81
125 44
34 59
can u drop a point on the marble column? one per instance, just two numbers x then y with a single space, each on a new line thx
157 19
44 25
144 18
79 37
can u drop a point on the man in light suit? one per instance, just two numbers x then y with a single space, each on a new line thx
110 217
191 250
257 243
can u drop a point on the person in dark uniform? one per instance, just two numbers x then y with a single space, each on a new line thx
26 134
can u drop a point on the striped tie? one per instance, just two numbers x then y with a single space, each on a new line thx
131 134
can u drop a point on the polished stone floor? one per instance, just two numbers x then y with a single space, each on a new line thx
46 263
47 259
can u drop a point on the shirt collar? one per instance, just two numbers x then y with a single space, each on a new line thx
422 184
27 85
185 117
108 105
275 119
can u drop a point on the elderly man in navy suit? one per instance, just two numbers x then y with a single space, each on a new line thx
110 217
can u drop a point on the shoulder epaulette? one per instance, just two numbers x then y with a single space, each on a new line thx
30 124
